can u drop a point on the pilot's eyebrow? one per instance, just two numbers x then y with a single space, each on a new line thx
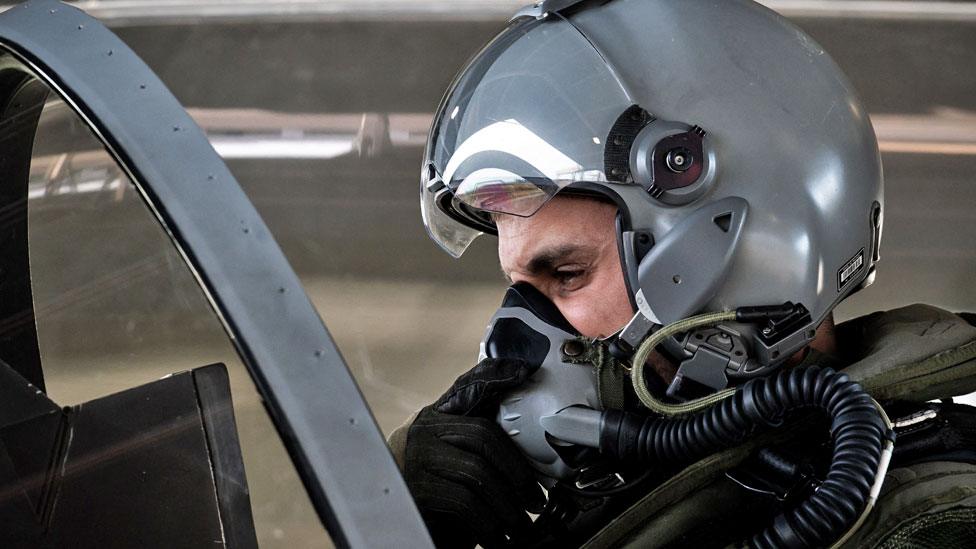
546 259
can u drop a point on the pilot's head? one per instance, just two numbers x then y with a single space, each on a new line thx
671 158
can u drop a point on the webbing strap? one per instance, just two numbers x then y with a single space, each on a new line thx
610 374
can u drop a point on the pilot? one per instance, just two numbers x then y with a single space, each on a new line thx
643 162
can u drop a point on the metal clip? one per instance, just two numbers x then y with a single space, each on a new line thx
597 477
541 10
918 417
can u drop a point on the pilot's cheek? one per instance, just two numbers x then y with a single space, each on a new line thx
597 315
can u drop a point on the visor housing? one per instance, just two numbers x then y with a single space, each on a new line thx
526 118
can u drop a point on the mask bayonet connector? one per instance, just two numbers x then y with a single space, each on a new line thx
783 324
754 315
623 346
781 330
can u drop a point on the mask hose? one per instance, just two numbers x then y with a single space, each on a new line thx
857 428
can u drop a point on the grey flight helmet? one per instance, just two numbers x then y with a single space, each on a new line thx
745 169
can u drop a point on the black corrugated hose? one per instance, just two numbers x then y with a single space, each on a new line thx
857 431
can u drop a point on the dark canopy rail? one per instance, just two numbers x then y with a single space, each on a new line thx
311 396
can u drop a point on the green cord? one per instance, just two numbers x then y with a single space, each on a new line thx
652 341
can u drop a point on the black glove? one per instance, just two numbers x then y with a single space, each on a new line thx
469 480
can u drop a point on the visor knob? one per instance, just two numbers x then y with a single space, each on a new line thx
671 161
679 159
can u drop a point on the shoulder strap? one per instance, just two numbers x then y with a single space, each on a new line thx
915 353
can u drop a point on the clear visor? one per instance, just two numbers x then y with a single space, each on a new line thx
526 118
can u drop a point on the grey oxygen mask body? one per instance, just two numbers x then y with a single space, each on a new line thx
529 327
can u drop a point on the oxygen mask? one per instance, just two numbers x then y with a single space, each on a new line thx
529 327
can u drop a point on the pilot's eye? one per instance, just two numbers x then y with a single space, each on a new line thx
567 275
569 278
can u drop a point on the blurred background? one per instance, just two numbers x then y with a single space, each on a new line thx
321 110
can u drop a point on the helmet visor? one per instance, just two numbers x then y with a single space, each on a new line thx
449 233
526 118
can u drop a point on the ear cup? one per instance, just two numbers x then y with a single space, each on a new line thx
686 267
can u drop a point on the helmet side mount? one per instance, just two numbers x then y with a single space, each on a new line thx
670 160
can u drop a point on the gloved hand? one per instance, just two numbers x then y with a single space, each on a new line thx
469 480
